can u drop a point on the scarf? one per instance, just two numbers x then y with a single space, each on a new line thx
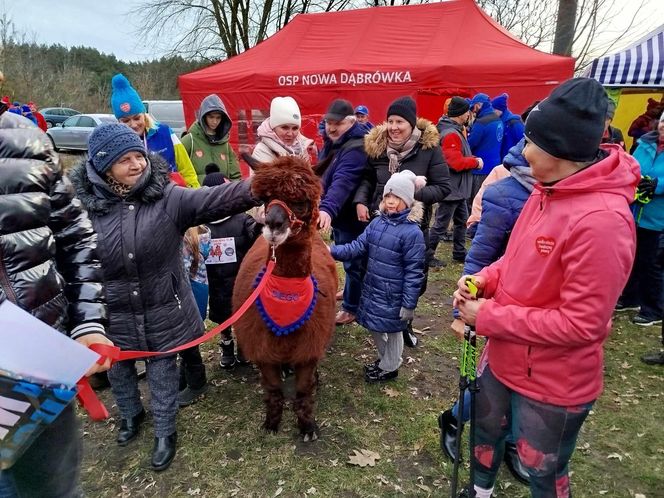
268 136
120 189
524 176
286 303
396 152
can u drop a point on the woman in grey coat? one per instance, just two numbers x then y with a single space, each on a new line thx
140 218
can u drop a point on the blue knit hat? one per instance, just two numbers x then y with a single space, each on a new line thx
500 102
109 142
125 101
480 98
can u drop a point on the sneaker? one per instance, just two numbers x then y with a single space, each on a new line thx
241 359
653 358
227 351
380 375
339 295
189 396
626 307
344 318
370 367
448 237
645 322
437 263
468 492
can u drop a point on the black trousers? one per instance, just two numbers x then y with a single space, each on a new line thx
644 287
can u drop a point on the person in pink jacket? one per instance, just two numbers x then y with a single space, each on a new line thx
547 303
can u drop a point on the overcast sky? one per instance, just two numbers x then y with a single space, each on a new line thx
107 26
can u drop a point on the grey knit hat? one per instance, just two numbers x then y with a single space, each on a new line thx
402 184
109 142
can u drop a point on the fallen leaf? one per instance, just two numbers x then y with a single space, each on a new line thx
391 393
424 487
603 491
334 462
312 491
194 492
363 458
278 491
639 495
196 474
281 482
615 456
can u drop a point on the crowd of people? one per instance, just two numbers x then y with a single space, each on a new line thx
156 254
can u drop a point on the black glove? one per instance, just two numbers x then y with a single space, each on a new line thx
647 186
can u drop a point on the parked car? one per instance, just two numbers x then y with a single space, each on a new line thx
55 115
73 133
169 112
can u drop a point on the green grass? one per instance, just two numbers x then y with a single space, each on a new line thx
223 452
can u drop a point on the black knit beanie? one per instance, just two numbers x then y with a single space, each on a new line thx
569 123
457 107
404 107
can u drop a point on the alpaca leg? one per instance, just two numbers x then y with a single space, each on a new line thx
305 383
272 395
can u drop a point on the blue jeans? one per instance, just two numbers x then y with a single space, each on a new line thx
354 269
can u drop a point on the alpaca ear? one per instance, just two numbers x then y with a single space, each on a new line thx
253 163
320 167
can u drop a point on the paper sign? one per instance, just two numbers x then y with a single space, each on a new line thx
221 251
34 351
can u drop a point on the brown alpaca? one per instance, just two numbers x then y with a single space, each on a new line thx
300 252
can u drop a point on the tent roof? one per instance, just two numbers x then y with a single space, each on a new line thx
639 65
449 44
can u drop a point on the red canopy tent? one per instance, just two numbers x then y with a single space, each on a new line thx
372 56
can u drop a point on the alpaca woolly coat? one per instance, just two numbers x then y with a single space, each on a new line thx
426 159
150 302
395 268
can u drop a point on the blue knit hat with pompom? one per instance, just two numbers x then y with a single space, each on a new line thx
125 100
109 142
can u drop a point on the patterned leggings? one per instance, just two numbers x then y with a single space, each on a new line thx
545 437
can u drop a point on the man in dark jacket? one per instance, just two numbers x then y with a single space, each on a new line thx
612 135
461 162
485 138
513 126
48 267
345 139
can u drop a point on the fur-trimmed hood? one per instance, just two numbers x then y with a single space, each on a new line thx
415 213
375 142
98 198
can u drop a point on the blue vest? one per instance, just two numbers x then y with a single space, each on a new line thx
159 140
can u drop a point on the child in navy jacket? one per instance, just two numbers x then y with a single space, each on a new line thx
395 247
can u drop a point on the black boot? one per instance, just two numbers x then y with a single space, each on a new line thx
227 354
514 464
448 433
409 337
129 428
163 451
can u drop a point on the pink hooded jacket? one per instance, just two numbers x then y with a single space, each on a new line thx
553 292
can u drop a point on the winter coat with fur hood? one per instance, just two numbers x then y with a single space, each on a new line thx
48 250
151 306
426 159
204 149
395 248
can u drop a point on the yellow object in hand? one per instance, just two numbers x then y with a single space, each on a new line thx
472 287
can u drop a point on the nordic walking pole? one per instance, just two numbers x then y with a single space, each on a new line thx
467 380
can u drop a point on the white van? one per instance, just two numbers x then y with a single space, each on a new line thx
169 112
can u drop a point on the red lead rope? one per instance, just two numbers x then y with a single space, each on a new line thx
87 396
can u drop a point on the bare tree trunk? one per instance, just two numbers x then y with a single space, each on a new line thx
565 23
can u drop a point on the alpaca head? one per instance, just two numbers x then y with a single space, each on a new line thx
294 184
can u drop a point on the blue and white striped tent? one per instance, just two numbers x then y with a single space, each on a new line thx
639 65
